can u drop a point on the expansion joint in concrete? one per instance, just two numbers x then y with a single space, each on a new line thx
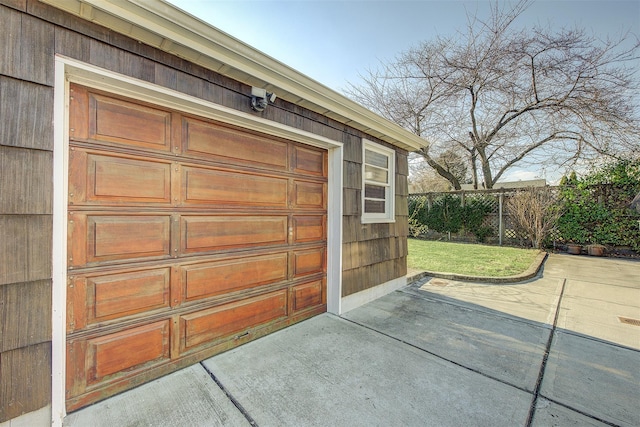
453 362
233 400
545 357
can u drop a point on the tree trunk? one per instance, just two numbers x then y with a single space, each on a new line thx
474 169
440 170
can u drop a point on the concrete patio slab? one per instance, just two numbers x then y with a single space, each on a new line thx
328 371
595 378
612 271
184 398
594 309
534 300
504 348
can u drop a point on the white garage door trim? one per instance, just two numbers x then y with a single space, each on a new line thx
69 70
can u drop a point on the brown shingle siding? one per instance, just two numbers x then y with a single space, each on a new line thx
26 47
25 248
62 19
10 38
36 53
25 314
372 253
352 149
26 177
27 114
15 4
352 175
25 380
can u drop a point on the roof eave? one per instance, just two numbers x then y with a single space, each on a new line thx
166 27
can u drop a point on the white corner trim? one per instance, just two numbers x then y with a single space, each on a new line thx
334 230
59 244
360 298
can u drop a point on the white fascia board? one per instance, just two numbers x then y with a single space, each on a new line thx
166 27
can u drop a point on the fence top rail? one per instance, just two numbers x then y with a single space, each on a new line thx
484 191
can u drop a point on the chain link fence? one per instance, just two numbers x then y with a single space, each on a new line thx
494 227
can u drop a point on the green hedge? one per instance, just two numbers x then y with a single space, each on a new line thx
597 206
448 215
596 209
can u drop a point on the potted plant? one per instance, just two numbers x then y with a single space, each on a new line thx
576 235
600 234
574 248
596 250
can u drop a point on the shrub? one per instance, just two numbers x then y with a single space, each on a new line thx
596 208
417 212
445 216
448 215
474 213
535 213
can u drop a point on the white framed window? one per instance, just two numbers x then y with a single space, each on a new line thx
378 183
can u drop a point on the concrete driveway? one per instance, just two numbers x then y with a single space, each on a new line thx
559 350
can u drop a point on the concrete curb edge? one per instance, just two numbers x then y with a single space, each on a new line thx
529 273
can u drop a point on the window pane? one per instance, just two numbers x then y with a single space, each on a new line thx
374 206
376 159
374 192
378 172
372 173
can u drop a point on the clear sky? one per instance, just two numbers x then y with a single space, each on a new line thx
335 41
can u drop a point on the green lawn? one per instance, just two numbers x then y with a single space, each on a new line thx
469 259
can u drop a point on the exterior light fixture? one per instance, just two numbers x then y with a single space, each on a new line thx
260 98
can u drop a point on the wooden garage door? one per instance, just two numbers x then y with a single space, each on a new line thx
185 238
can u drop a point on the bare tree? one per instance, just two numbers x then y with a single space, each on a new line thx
504 96
423 178
454 163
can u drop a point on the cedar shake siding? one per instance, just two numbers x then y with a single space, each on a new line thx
371 253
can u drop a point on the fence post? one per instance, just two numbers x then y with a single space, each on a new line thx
500 225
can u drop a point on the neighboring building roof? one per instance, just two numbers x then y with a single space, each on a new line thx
166 27
513 184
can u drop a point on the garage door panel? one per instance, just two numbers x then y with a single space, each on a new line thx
76 303
230 146
104 297
308 295
122 351
100 178
78 112
100 238
215 187
118 295
186 237
309 261
226 276
309 162
309 195
309 228
129 123
216 323
202 234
